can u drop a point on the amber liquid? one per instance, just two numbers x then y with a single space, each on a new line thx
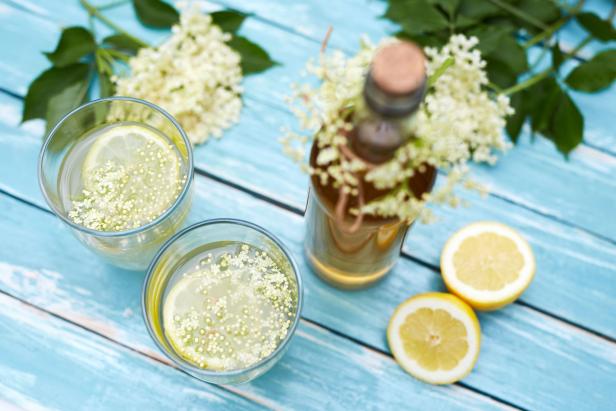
354 259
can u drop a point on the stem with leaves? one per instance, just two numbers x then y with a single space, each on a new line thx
95 12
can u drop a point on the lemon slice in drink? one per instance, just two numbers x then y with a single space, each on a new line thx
487 264
137 162
435 337
184 298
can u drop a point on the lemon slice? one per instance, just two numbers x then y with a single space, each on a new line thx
130 174
184 297
130 146
435 337
487 264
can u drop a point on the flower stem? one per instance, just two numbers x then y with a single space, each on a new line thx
554 27
527 83
545 73
93 11
112 4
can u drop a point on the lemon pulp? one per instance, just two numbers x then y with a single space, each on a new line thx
435 337
488 261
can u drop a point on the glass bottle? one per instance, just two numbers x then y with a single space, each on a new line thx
354 251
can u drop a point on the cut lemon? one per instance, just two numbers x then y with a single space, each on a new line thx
435 337
130 174
129 146
487 264
183 298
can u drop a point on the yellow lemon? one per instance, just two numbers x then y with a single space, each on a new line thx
435 337
487 264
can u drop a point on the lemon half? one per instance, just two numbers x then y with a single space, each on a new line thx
487 264
435 337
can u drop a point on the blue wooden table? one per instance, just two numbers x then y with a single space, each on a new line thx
71 332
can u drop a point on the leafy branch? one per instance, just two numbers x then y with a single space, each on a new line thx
506 29
80 60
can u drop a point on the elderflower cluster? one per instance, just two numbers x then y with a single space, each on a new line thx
457 123
194 75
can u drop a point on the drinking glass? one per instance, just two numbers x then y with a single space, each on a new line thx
131 249
182 248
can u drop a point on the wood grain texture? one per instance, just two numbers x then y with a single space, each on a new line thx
78 287
530 175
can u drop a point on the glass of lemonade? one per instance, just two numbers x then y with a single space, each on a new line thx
222 299
119 172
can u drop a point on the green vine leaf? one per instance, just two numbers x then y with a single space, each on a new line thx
595 74
106 88
228 20
567 125
448 6
50 83
75 43
254 58
557 56
122 42
416 16
66 100
602 30
156 13
516 121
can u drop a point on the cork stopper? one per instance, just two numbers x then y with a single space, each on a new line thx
399 69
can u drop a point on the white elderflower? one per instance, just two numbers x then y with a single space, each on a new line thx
194 75
458 122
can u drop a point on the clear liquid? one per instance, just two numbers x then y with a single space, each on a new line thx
228 306
71 177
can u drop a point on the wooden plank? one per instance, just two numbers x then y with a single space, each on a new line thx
75 286
529 350
49 364
529 175
564 254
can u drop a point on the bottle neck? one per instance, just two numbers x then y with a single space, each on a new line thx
391 106
380 131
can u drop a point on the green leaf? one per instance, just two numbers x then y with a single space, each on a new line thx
75 43
516 121
156 13
228 20
254 58
479 9
72 96
602 30
49 83
122 42
567 125
416 16
595 74
500 74
544 11
105 85
545 105
557 56
554 114
449 6
491 38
